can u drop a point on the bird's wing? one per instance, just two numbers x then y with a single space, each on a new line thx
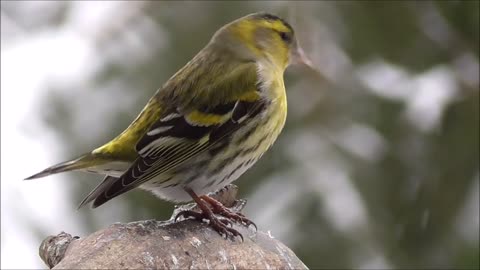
106 182
186 130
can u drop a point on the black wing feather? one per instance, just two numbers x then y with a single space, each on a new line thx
152 163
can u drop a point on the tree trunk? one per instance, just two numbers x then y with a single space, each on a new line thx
186 244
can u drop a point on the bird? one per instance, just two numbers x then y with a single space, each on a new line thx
207 125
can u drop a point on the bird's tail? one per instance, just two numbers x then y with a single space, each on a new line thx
85 161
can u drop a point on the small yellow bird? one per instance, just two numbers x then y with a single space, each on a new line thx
205 126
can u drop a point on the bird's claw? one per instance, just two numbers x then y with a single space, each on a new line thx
220 209
219 225
189 213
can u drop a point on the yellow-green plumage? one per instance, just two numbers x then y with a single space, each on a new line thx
206 125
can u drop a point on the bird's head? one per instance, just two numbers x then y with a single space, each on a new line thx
262 37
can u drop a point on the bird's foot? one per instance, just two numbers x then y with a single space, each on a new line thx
221 225
209 207
219 209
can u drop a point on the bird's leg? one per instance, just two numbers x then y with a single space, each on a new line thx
219 225
220 209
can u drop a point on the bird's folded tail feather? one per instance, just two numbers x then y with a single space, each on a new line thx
84 161
98 190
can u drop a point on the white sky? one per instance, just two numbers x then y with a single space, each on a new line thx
30 61
27 63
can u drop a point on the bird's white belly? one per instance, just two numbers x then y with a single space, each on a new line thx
201 182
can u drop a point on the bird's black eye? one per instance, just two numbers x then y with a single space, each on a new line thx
287 37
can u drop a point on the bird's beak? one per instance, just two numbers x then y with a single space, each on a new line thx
299 57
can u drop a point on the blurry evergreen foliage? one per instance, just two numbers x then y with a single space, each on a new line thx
413 192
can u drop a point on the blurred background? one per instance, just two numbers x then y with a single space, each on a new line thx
377 167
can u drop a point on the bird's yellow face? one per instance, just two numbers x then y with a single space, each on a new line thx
264 37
